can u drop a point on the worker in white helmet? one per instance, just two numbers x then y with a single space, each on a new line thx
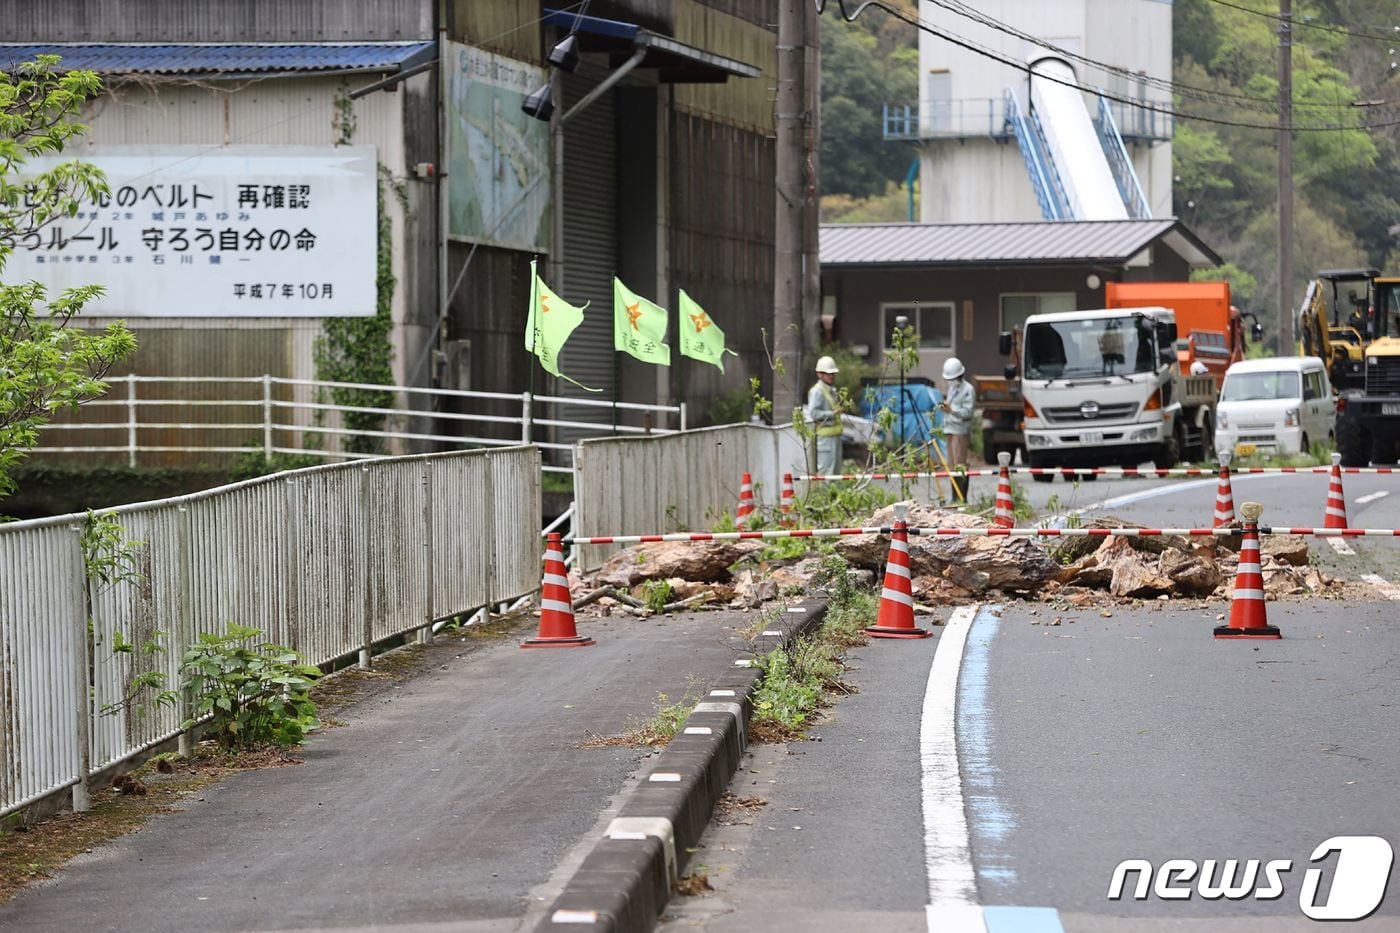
958 404
824 412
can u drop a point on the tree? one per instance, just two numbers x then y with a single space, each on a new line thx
865 64
46 364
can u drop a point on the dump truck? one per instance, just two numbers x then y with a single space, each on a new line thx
1350 318
1105 387
1211 328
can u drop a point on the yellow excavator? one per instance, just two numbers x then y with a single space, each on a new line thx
1350 318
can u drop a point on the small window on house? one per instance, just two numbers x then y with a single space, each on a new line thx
1016 308
932 323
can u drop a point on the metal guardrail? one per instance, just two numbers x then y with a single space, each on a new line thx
278 416
987 117
329 560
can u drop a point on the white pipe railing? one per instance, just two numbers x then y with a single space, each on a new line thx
287 420
330 561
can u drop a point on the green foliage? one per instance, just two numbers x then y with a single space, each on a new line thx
255 692
1226 176
556 482
46 366
730 408
830 505
784 695
892 206
108 557
1243 285
865 65
357 349
252 463
657 593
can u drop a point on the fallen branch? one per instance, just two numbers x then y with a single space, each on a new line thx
689 601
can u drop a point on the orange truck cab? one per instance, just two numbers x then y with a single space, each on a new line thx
1211 327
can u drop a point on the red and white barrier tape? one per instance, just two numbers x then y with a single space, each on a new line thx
1084 471
992 532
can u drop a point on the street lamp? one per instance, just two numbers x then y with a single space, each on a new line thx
900 322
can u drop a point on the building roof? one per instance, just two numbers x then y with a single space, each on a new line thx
1029 243
676 62
224 60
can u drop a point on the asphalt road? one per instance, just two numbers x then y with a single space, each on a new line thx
453 800
1134 735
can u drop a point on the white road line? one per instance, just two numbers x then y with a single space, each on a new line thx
1383 586
1340 546
952 882
1362 500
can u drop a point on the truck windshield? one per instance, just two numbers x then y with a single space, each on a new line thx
1254 387
1090 347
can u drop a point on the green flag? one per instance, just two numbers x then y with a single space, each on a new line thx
548 325
701 338
639 326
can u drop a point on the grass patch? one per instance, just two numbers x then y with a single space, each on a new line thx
799 681
663 725
1020 501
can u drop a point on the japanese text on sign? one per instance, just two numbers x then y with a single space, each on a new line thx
242 231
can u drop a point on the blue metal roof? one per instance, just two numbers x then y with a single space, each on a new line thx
224 59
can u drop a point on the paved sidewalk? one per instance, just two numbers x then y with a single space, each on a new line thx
447 799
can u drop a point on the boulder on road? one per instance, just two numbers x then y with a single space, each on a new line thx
699 561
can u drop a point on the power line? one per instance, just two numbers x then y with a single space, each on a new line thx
1205 95
1322 27
978 49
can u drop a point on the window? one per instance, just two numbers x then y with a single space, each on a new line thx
932 323
1016 308
1312 385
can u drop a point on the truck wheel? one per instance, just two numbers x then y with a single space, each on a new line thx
1353 443
1382 451
1036 462
1170 452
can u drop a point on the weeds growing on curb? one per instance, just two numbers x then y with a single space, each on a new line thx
661 727
801 679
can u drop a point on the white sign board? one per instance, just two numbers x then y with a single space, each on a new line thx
237 231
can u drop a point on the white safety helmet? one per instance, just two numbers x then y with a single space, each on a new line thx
953 368
827 365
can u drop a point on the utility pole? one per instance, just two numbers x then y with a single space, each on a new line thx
788 240
1285 177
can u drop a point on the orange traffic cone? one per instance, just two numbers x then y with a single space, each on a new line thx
1224 497
787 499
1006 506
741 518
557 628
896 618
1248 618
1336 502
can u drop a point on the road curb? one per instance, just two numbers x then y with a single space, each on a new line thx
624 881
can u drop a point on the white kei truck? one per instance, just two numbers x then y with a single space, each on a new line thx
1105 388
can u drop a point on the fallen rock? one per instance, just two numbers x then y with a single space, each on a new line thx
1133 577
700 561
1287 549
752 592
1014 565
1190 574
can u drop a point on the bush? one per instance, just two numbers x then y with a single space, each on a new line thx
257 693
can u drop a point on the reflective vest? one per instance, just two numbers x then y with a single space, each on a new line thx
834 428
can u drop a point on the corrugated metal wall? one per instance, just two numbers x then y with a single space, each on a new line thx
746 102
590 195
722 245
212 20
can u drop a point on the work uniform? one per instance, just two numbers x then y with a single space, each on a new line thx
957 420
823 412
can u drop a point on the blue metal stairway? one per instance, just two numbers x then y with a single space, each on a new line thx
1045 178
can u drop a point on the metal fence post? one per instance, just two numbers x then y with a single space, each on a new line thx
267 417
682 416
366 652
526 417
82 675
425 634
185 635
131 420
291 563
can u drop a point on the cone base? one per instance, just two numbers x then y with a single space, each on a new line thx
885 631
577 641
1259 631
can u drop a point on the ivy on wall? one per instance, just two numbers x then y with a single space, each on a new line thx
357 349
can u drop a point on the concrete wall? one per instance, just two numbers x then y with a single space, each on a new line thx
979 179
